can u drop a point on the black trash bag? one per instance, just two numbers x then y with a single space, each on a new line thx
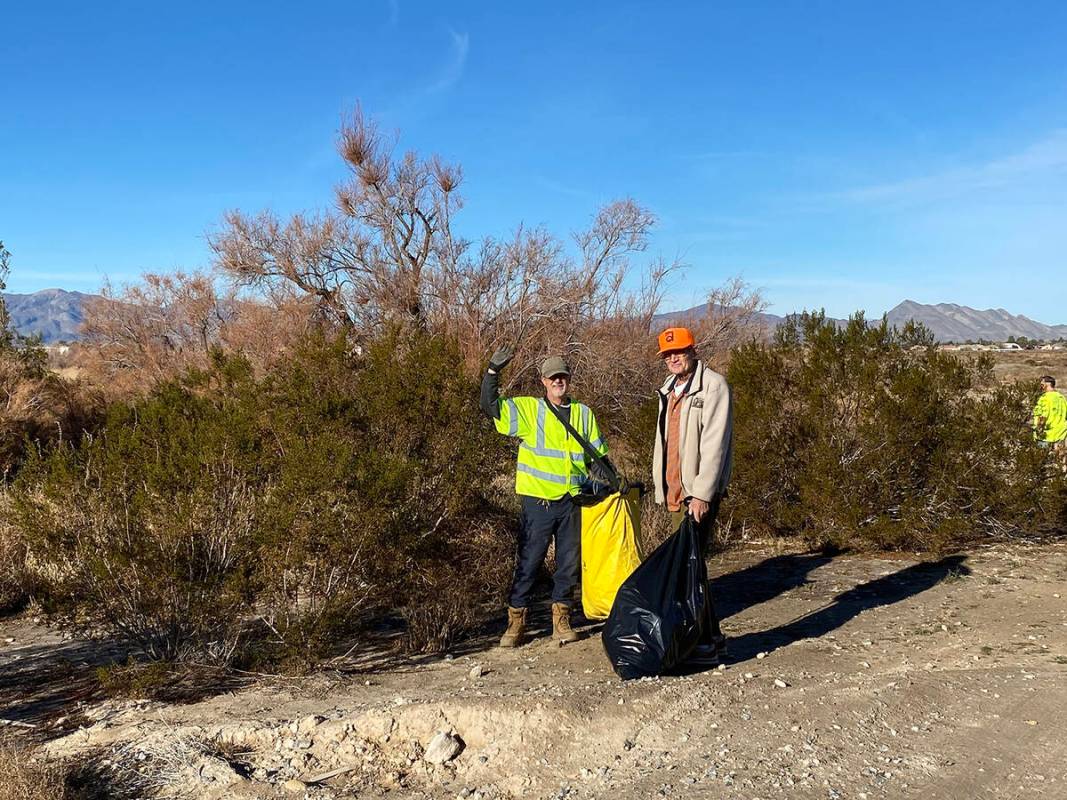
659 613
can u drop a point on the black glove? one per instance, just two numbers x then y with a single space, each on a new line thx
501 358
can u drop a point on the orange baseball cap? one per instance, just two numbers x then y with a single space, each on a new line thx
675 339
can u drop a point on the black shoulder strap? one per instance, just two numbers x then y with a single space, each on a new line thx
588 448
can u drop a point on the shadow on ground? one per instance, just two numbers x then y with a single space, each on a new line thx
880 592
380 651
45 688
736 591
42 683
733 593
843 607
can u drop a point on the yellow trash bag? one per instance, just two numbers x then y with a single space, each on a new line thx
611 532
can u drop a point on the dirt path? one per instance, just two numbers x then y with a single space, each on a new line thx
851 677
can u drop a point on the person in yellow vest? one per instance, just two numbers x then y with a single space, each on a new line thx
1050 417
693 453
551 468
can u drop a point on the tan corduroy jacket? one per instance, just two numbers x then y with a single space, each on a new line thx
705 436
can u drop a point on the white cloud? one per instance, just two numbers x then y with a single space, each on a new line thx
1037 162
453 69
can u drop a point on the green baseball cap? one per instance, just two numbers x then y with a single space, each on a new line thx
554 365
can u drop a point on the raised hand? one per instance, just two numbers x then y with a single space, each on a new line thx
501 358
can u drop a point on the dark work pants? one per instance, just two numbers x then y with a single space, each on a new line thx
540 521
712 631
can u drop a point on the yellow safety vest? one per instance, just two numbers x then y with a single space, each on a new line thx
551 463
1053 407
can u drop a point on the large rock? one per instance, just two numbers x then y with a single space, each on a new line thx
443 748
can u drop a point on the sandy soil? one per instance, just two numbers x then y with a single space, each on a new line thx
852 677
1029 365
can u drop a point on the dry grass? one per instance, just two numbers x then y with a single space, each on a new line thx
13 583
22 778
1029 365
103 775
154 765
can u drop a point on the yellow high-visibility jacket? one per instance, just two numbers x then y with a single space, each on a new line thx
1053 407
551 464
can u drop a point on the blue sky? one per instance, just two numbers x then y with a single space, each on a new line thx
837 155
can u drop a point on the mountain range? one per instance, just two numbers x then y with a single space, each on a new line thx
947 321
953 323
57 315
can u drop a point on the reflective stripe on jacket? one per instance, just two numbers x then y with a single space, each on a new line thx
550 463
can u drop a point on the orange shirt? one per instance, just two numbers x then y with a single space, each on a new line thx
675 495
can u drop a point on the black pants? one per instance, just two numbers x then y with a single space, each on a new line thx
540 521
712 631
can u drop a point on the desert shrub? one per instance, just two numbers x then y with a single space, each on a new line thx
382 491
867 435
37 407
227 517
143 529
165 325
15 580
25 779
27 775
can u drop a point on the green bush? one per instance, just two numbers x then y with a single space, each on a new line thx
226 518
865 435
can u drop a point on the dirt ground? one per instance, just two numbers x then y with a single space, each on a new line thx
1029 365
849 677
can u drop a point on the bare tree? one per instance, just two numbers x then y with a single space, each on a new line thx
158 327
371 260
314 254
732 315
167 324
389 254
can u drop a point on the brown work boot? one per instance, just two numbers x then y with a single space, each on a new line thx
561 624
516 631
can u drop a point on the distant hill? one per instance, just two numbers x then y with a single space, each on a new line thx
53 313
952 323
947 321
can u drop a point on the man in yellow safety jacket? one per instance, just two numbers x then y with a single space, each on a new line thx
551 468
1050 416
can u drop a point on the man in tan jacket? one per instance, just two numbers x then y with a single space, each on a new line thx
693 454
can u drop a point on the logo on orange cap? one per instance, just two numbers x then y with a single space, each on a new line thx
675 339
